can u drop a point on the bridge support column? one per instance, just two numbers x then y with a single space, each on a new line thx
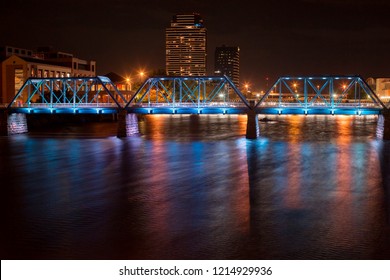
252 125
15 123
127 124
383 127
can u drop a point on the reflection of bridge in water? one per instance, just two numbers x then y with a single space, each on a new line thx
335 95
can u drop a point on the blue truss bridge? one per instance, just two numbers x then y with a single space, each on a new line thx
341 95
335 95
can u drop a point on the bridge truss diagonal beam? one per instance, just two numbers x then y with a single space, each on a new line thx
188 91
322 91
69 92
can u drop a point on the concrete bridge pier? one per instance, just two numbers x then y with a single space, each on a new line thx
252 124
127 124
10 124
383 128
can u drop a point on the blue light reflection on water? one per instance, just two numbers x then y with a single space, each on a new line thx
187 193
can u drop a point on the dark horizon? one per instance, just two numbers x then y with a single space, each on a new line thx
301 37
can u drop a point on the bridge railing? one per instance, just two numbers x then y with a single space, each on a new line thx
189 104
316 105
67 105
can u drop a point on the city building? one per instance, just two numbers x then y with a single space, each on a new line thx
381 86
17 65
227 62
7 51
185 43
79 67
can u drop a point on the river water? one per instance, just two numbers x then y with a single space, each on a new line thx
192 187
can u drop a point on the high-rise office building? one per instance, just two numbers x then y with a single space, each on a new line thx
227 62
185 42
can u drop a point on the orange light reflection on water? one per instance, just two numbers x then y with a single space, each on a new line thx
342 198
240 198
292 194
242 120
344 126
294 133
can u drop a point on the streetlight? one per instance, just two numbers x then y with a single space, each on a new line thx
295 86
128 81
246 85
141 74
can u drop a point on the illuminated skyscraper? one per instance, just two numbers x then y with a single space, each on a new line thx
185 42
227 62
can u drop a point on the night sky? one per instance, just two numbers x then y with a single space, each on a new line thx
298 37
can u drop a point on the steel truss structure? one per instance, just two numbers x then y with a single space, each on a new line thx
68 94
197 95
188 91
325 92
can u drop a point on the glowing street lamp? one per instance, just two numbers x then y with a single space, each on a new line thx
295 86
141 75
128 81
246 86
